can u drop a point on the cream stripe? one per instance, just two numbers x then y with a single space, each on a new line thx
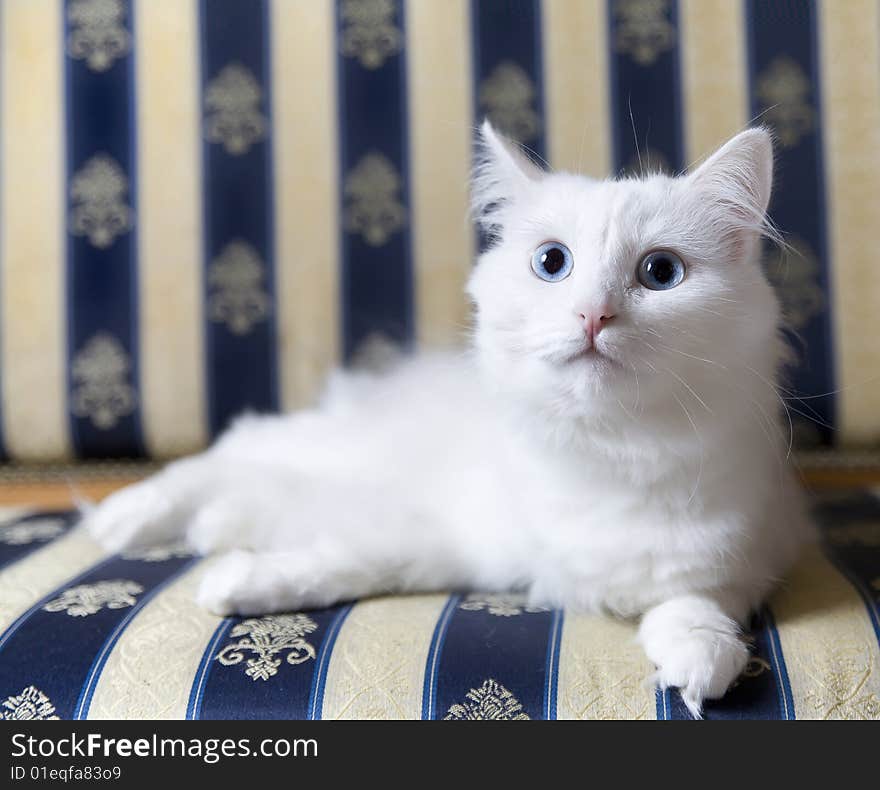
828 643
714 74
38 574
377 669
439 97
306 221
850 64
32 231
150 671
169 225
603 672
576 85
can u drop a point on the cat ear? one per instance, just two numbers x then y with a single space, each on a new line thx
501 172
738 178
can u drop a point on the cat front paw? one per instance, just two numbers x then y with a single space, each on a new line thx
139 514
696 648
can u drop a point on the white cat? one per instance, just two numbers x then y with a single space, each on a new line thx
610 443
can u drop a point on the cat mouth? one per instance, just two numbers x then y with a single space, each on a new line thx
588 355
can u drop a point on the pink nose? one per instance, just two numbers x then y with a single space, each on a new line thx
595 322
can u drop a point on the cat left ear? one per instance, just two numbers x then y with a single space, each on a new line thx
501 172
739 177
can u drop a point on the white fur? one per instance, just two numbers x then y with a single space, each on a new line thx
648 478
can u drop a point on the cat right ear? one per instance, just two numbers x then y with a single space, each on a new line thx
501 172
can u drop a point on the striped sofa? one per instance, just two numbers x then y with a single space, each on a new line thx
83 635
205 204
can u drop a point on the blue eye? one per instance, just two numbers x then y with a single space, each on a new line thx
661 270
552 261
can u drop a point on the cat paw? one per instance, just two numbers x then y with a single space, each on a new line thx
225 585
695 647
136 515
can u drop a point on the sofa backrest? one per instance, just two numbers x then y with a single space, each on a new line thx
206 204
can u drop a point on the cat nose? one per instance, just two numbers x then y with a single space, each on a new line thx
595 321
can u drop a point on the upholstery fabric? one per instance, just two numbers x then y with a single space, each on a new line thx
206 203
84 635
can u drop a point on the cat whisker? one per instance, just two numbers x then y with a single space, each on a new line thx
702 449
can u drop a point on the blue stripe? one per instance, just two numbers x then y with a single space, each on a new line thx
664 703
194 706
782 35
507 49
645 90
81 710
226 691
504 35
11 552
480 647
238 202
319 680
777 661
374 194
102 278
63 665
429 691
552 671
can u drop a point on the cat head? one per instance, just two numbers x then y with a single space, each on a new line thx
590 289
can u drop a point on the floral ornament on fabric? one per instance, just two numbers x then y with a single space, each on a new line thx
642 29
161 553
489 702
97 32
232 110
31 705
369 33
500 605
507 96
39 530
99 202
237 296
784 92
86 599
266 637
101 390
372 192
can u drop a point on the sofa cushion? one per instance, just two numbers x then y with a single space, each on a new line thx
85 635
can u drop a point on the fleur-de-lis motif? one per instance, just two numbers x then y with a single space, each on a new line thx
30 705
266 637
507 95
86 599
101 390
369 33
161 553
794 273
34 531
784 92
373 207
97 32
489 702
500 605
99 209
235 279
232 110
642 29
